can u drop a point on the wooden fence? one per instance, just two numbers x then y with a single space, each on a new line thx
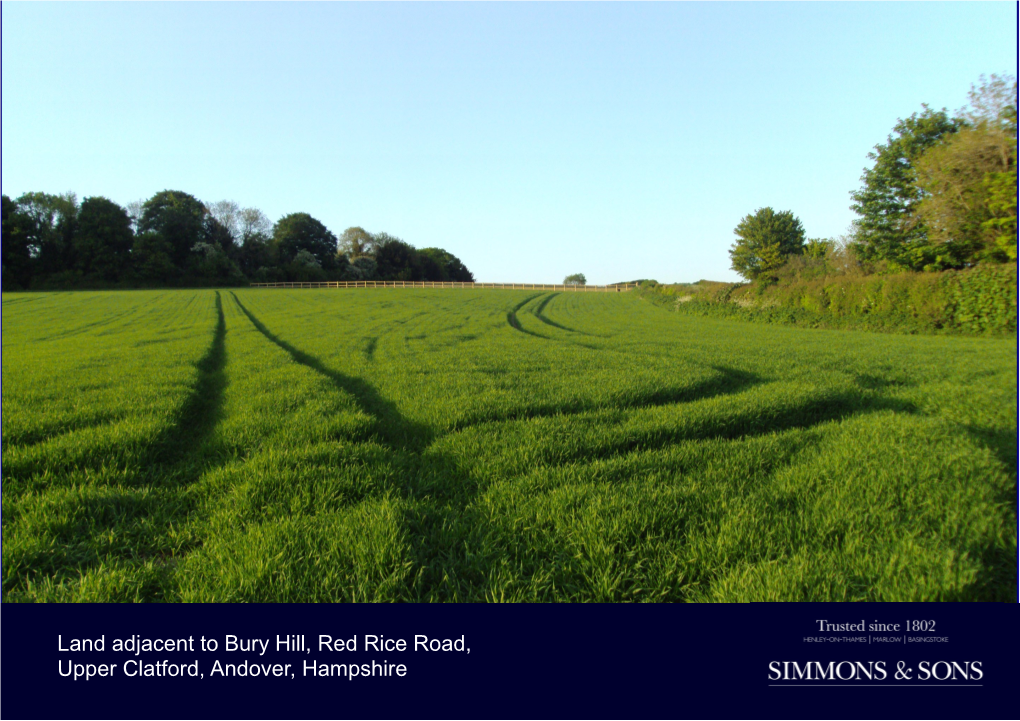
618 288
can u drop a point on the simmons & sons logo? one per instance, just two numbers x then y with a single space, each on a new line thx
874 671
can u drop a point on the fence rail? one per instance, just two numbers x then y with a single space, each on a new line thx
618 288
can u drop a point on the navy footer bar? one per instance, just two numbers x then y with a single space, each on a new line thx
511 661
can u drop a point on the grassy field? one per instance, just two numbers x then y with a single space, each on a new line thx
471 445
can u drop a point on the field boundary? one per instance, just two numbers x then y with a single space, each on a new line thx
617 288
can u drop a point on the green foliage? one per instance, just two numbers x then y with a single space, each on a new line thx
49 243
765 239
209 261
151 258
177 217
818 248
104 239
959 211
444 266
217 234
396 260
362 268
1001 190
18 250
994 103
300 231
44 226
886 203
472 445
942 192
575 279
981 300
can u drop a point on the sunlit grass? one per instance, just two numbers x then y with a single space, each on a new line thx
466 445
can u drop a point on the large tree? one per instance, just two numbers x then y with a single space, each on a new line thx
356 241
49 223
17 250
445 265
104 239
960 178
969 182
300 231
396 260
765 239
179 218
886 203
151 259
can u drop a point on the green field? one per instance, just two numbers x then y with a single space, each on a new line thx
481 445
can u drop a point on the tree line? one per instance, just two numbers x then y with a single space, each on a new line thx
941 195
172 239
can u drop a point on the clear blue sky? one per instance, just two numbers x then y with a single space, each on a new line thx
531 140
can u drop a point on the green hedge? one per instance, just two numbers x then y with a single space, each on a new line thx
981 300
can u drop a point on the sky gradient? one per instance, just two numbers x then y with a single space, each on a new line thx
531 140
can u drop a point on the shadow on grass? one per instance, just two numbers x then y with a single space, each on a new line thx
515 323
203 409
749 424
1000 441
998 578
539 313
132 524
370 347
729 381
393 429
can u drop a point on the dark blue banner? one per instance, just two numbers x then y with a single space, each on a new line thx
522 661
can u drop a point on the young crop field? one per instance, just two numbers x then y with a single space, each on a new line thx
493 445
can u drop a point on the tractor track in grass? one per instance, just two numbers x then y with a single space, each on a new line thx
393 428
515 323
731 381
154 496
540 314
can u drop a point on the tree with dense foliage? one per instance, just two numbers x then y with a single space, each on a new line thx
446 265
1002 204
887 229
179 218
969 182
818 247
151 258
575 279
959 178
361 268
49 223
765 239
396 260
173 238
17 249
103 239
210 262
300 231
